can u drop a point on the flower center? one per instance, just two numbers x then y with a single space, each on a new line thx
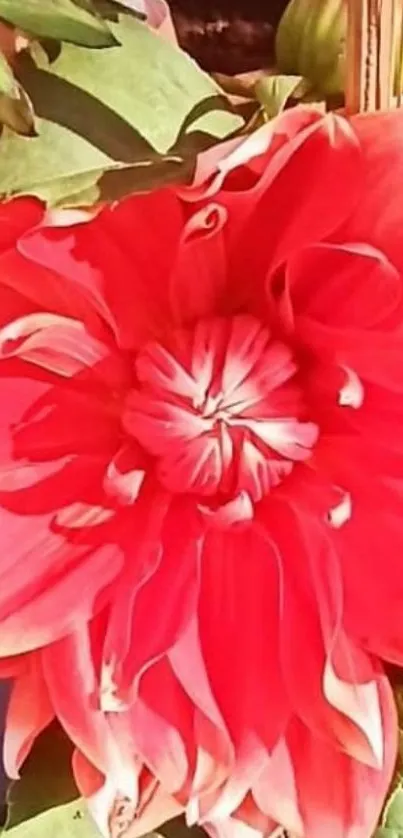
220 408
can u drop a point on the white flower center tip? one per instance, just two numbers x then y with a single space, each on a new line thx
220 409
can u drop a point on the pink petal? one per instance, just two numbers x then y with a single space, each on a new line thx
159 727
29 712
159 18
251 760
345 799
88 779
58 344
215 751
72 683
38 607
125 475
275 790
158 808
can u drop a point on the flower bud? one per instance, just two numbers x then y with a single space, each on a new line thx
310 42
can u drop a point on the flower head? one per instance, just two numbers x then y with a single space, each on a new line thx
201 483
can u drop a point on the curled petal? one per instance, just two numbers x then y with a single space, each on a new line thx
124 476
198 277
57 344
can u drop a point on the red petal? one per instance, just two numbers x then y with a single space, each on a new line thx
239 632
333 689
377 220
44 289
374 355
339 797
16 217
108 260
198 277
49 422
374 538
294 209
163 555
346 286
234 168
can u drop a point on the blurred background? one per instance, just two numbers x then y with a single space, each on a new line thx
228 36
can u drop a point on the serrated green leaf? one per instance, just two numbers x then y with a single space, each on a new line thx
112 122
46 779
384 832
273 92
70 821
60 19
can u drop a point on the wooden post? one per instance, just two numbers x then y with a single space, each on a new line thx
374 39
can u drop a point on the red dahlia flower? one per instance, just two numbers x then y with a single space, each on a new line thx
201 485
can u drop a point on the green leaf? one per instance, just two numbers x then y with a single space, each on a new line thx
16 113
111 122
7 80
273 92
46 779
393 813
71 821
15 107
61 19
384 832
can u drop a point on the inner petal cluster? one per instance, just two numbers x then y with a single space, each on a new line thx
220 408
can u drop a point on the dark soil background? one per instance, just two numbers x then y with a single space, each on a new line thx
228 36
